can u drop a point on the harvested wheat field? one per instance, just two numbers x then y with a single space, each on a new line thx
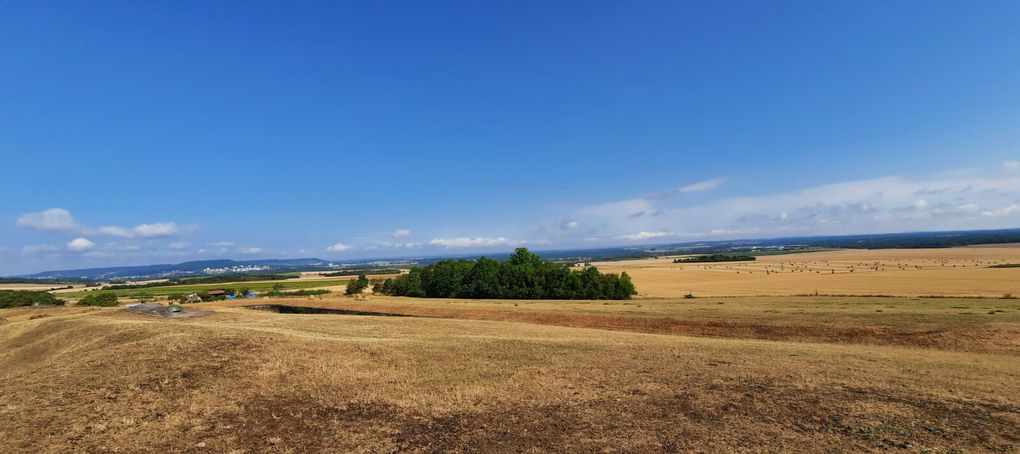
484 376
961 271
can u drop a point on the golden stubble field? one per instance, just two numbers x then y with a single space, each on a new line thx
239 380
669 374
962 271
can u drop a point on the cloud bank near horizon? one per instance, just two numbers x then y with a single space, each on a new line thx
956 200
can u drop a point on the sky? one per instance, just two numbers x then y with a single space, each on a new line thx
159 132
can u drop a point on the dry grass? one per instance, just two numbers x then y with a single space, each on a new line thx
249 381
959 271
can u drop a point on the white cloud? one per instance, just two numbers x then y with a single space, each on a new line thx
249 250
463 242
51 219
159 229
567 225
156 230
221 244
401 233
976 199
339 247
642 235
1011 165
1004 211
119 232
80 244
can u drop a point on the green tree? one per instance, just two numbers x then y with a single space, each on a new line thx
101 299
357 286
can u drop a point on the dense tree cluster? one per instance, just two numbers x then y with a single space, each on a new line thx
522 276
19 298
715 258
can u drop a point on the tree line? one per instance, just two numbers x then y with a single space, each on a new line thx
523 275
360 272
218 279
20 298
715 258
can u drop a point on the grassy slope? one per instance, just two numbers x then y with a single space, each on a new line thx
262 382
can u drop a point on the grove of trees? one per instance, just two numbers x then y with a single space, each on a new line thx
523 275
19 298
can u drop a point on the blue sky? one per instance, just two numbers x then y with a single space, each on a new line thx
142 132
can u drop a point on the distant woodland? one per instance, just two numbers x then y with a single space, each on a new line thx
715 258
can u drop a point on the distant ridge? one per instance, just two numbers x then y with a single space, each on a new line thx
905 240
192 268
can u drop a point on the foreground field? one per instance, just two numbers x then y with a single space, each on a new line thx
252 381
961 324
961 271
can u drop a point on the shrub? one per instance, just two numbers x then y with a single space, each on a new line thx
101 299
357 286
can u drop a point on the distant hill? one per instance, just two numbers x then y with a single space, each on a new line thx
224 266
193 268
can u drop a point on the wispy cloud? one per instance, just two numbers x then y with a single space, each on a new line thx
156 230
643 235
51 219
971 199
401 233
469 242
645 205
700 186
1004 211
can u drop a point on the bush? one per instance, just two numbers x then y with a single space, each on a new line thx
21 298
522 276
357 286
101 299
